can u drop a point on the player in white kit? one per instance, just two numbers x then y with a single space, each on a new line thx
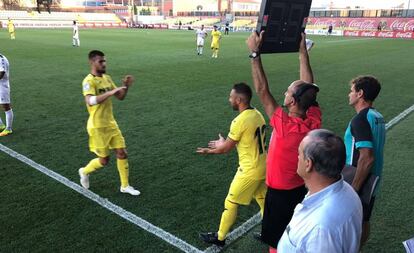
201 34
75 38
5 97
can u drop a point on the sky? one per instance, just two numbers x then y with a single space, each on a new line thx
375 4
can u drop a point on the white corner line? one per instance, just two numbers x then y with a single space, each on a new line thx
255 220
145 225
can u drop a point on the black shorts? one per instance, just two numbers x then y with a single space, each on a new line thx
367 210
278 211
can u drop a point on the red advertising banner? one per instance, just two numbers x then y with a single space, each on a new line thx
392 24
379 34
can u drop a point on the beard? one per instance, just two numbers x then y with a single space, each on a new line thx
102 71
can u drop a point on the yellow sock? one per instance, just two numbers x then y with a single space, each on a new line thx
123 170
260 196
260 201
227 219
217 52
92 166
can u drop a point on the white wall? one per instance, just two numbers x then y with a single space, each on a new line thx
145 19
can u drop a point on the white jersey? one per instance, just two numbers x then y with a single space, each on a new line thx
4 67
75 31
201 34
4 82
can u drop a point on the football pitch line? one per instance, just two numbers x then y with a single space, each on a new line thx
145 225
346 40
162 234
256 219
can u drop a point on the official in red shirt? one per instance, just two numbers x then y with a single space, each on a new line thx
286 188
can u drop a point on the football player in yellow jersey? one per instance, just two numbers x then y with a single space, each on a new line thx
247 134
10 27
103 131
215 41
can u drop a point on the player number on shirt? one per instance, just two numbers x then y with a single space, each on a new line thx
260 134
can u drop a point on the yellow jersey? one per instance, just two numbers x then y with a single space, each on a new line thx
10 26
215 35
100 115
248 129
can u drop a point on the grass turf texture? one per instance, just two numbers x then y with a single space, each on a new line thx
179 102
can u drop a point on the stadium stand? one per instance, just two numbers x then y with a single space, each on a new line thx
184 20
206 22
60 16
244 24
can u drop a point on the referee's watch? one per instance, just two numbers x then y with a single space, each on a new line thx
254 55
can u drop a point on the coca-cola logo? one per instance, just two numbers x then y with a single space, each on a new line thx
363 24
408 35
402 25
349 33
386 34
325 22
368 34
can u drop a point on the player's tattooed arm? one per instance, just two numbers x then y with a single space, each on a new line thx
127 82
101 98
219 146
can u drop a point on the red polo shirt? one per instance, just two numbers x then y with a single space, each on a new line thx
282 158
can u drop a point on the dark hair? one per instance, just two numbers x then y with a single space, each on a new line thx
74 22
305 95
327 152
94 53
369 84
244 90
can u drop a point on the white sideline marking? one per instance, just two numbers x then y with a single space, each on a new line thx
255 220
164 235
399 117
347 40
238 232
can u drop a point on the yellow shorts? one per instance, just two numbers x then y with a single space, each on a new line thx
243 190
215 45
101 140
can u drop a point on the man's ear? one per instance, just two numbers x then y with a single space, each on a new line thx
293 101
360 93
308 165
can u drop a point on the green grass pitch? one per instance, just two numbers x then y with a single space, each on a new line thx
179 102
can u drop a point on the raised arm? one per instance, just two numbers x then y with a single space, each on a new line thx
127 82
306 73
259 77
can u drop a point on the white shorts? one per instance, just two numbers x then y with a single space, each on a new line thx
4 96
200 42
